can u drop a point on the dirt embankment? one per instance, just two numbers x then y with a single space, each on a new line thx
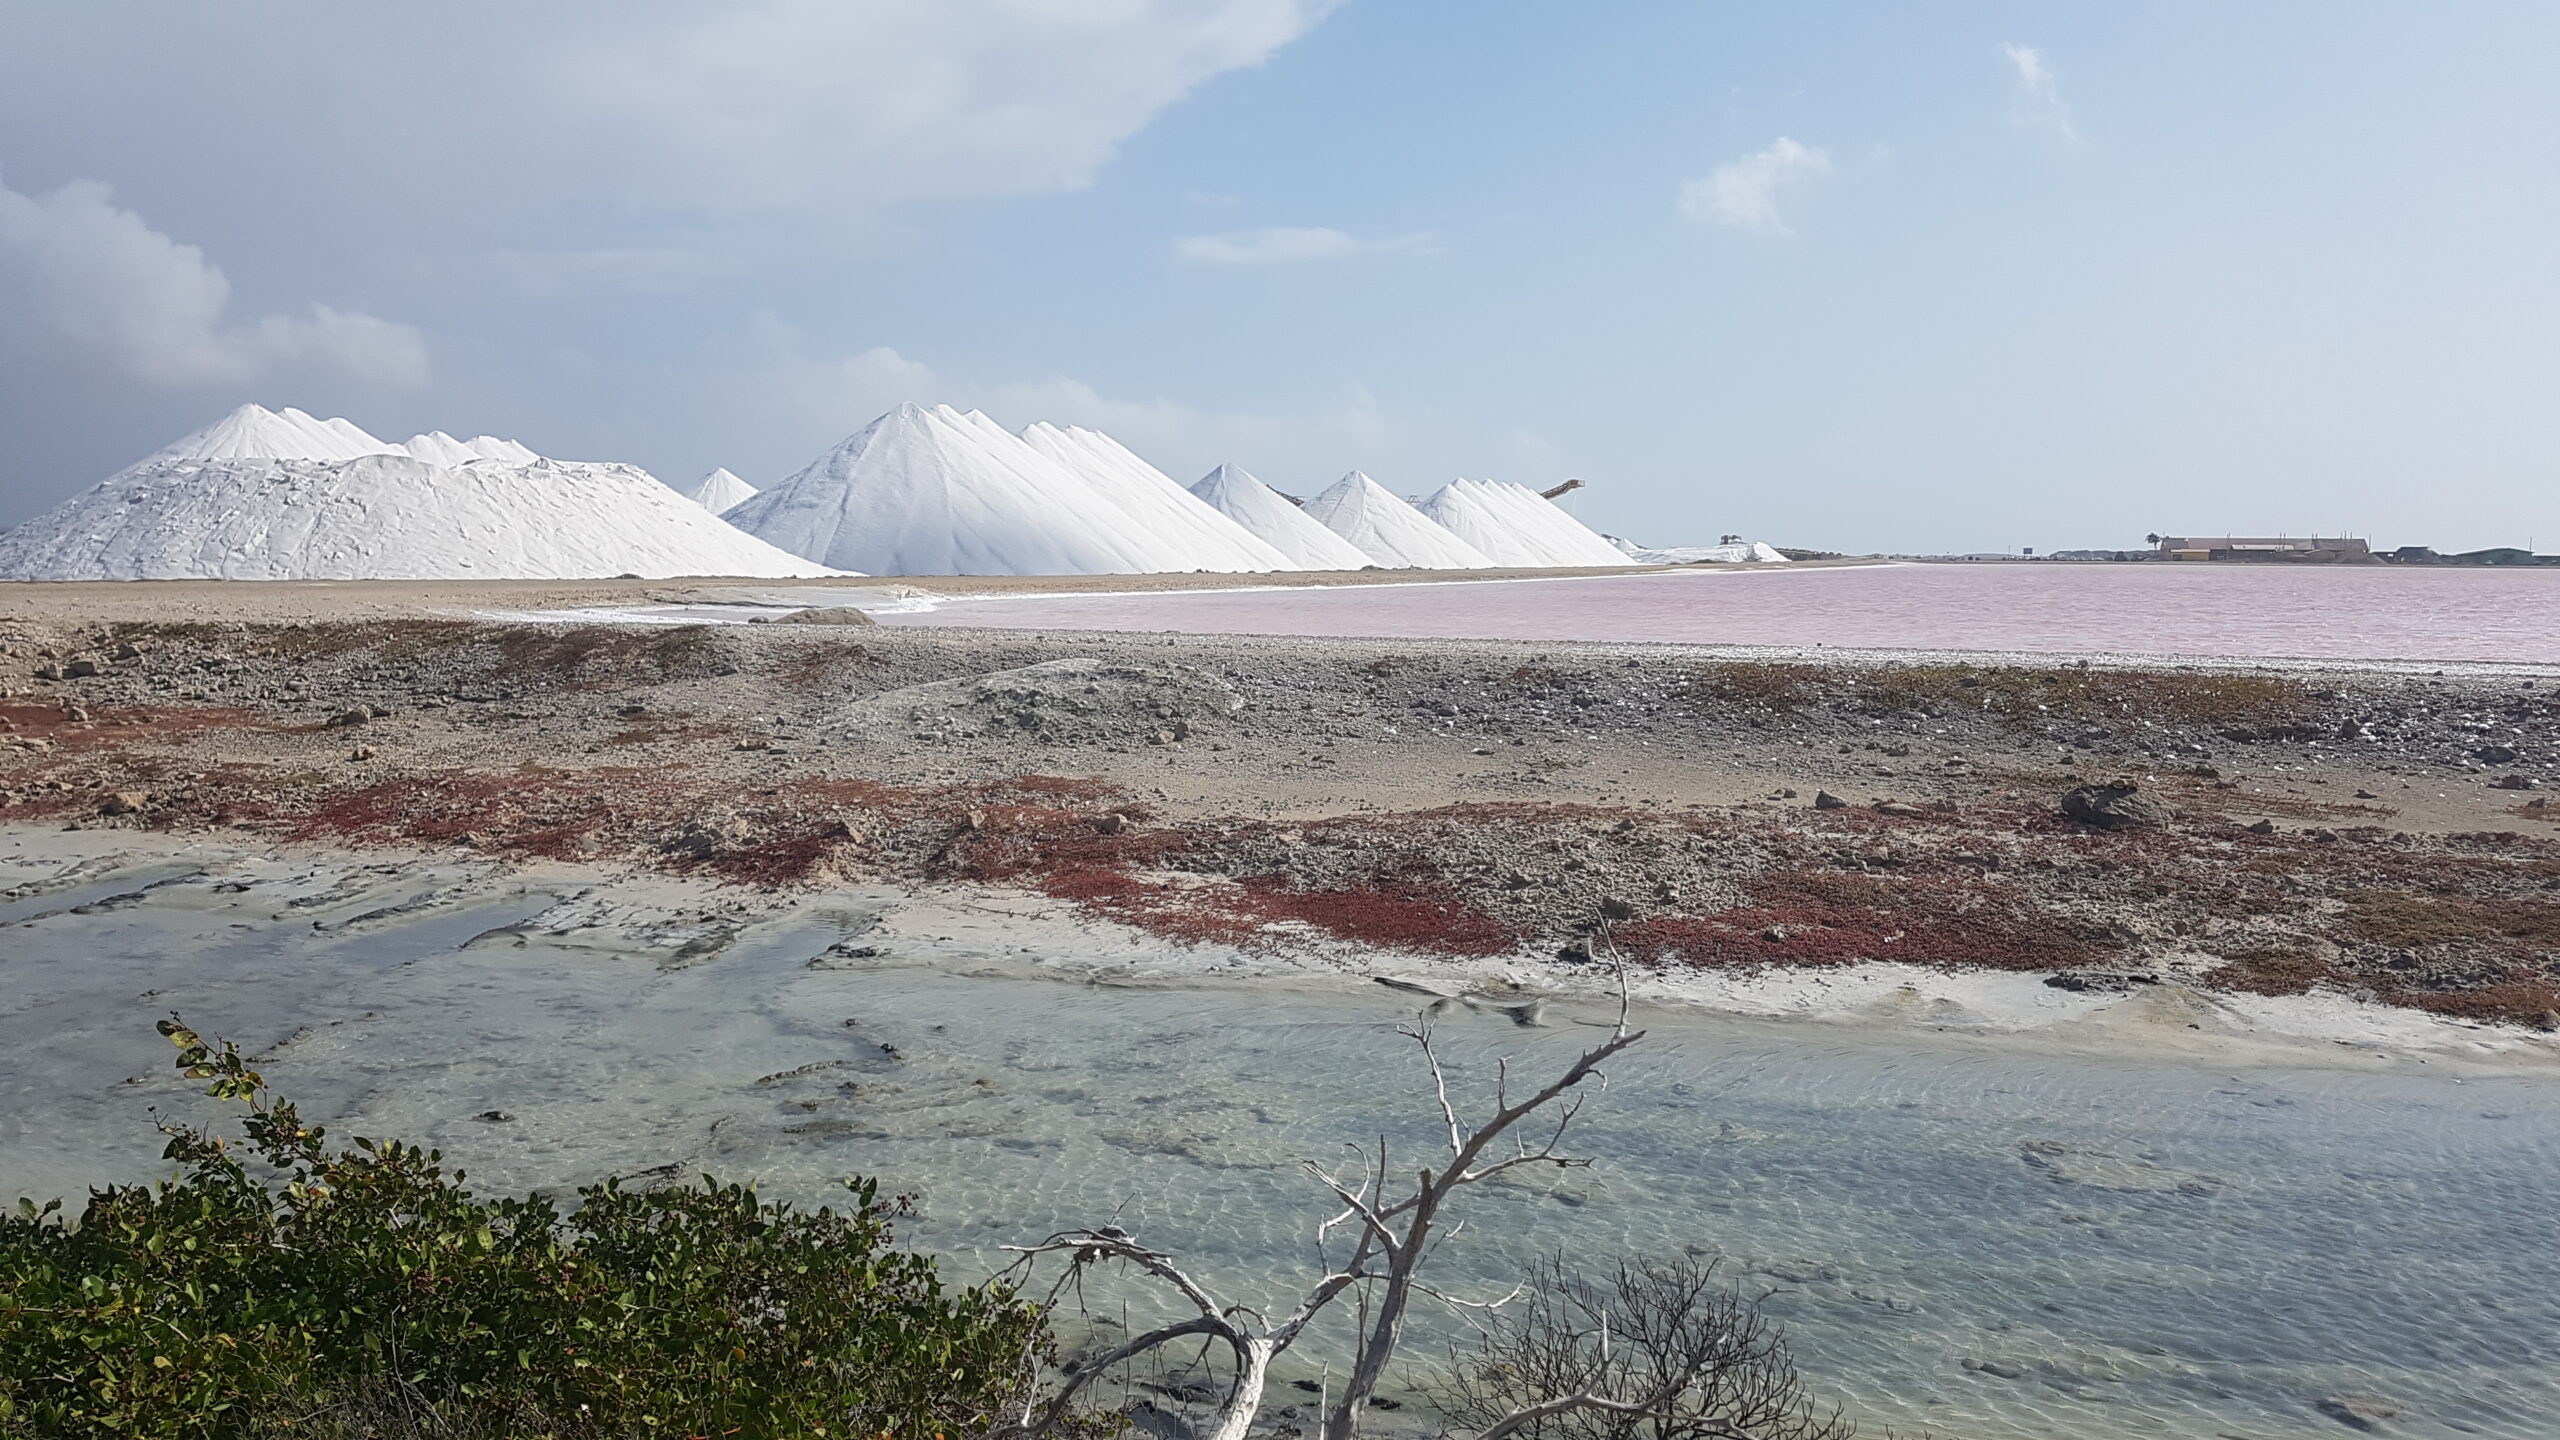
2272 832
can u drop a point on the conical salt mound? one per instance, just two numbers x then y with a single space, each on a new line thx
1389 531
936 492
254 432
1276 520
382 514
1518 526
719 490
1154 501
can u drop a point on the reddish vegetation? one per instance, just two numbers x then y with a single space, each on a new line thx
1410 916
1802 918
2521 998
107 727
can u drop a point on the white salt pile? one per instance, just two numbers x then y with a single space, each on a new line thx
1738 552
718 491
1155 501
254 432
1389 531
1211 540
1276 519
937 492
437 448
338 504
1518 526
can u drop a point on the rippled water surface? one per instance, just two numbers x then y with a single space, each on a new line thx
2324 612
1980 1236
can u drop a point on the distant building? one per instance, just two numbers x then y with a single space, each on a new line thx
2494 555
2259 547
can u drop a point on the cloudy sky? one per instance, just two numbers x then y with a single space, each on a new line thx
1862 276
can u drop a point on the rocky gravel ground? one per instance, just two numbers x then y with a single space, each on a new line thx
2265 829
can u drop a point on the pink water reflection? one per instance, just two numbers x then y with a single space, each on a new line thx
2355 613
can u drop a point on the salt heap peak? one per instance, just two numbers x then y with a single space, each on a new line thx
1276 520
1518 526
437 448
254 432
1389 531
1155 502
719 490
936 492
377 514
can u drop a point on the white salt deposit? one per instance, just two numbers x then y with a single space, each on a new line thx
213 507
258 433
1154 502
1518 526
1276 520
1389 531
1749 552
937 492
437 448
718 491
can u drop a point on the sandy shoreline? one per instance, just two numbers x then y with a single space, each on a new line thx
2310 831
50 875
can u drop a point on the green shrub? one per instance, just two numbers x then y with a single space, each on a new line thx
277 1287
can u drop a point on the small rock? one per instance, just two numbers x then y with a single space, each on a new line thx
48 672
1897 808
80 669
2359 1412
1614 908
494 1117
2000 1368
754 742
2120 806
2514 782
2263 827
344 718
1161 737
125 802
1825 800
1575 952
974 821
1109 824
361 752
826 615
2367 795
2493 754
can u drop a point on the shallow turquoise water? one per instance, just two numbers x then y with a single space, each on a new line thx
2120 1247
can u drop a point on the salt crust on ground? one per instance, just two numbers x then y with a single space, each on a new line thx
1741 553
326 501
1518 526
1235 493
1391 532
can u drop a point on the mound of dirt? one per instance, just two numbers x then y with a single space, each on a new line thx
1080 700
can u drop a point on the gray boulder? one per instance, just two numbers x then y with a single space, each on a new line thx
2120 806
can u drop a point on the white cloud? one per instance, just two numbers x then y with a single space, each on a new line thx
1285 245
1743 193
799 102
78 271
640 108
2037 100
